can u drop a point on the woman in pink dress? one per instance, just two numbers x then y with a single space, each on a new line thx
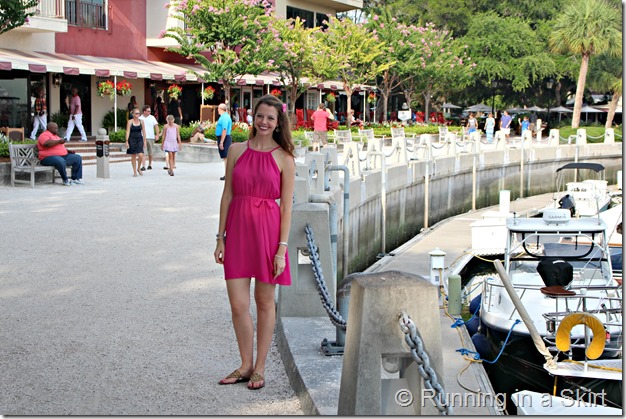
253 232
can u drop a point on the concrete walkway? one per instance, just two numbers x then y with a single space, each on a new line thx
111 303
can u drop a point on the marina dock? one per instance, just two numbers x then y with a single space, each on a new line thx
316 378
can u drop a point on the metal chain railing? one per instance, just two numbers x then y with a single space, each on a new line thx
420 357
327 301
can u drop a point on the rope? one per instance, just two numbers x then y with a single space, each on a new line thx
465 351
595 138
327 302
600 367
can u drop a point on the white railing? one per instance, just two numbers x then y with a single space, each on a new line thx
49 8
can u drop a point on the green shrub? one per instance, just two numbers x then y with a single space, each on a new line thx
4 149
118 136
108 120
61 119
185 132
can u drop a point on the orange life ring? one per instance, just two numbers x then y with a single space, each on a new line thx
596 347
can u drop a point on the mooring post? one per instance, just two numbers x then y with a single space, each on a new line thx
379 375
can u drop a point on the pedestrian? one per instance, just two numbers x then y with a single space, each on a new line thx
132 104
76 117
40 120
52 152
525 123
472 124
505 124
152 133
249 117
171 143
223 129
160 111
320 126
174 109
135 141
490 125
253 233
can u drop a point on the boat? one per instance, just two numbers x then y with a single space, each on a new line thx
562 295
585 198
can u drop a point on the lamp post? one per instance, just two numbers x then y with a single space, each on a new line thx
494 85
549 85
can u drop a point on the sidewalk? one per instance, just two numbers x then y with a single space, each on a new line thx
111 303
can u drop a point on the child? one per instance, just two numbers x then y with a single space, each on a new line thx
249 118
171 142
525 124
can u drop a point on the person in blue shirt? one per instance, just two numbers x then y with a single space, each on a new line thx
222 132
525 124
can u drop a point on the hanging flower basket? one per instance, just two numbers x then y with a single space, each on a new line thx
331 97
208 93
371 98
174 91
276 93
106 88
123 88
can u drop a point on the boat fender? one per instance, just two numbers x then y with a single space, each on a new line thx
596 347
472 325
482 345
474 304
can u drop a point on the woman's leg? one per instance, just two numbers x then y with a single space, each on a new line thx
139 163
133 162
239 297
264 295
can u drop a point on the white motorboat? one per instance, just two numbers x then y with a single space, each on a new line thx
560 271
584 198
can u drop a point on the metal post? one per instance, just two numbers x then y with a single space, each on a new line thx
383 201
521 171
426 192
474 181
115 103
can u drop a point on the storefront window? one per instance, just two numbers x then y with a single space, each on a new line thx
13 103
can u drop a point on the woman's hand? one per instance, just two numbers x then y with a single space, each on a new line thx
279 265
219 252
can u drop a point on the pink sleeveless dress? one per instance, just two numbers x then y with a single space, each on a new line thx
253 220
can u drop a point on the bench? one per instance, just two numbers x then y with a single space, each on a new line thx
24 159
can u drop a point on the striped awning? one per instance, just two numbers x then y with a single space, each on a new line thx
45 62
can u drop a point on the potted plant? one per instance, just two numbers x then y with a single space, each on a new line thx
61 119
276 93
106 88
331 97
123 88
174 91
371 98
208 93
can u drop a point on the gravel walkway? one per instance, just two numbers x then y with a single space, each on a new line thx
111 303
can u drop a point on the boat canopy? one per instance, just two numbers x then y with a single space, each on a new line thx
596 167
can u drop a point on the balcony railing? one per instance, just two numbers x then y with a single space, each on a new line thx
49 8
86 14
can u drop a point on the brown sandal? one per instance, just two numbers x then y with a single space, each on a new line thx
256 379
235 374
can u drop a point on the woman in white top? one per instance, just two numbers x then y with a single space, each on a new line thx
490 126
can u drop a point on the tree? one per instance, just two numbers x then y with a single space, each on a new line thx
605 75
586 28
297 52
507 49
14 13
443 65
228 38
356 53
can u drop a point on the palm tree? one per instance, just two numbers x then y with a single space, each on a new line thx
605 75
586 28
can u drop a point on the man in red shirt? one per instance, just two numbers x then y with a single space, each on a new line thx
320 125
52 152
76 117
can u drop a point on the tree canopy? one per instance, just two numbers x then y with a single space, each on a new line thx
14 13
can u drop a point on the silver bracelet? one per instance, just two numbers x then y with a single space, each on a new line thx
279 257
283 243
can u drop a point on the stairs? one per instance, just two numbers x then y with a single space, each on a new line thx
87 150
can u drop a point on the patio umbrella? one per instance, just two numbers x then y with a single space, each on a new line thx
561 110
515 110
536 108
480 107
587 110
450 106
